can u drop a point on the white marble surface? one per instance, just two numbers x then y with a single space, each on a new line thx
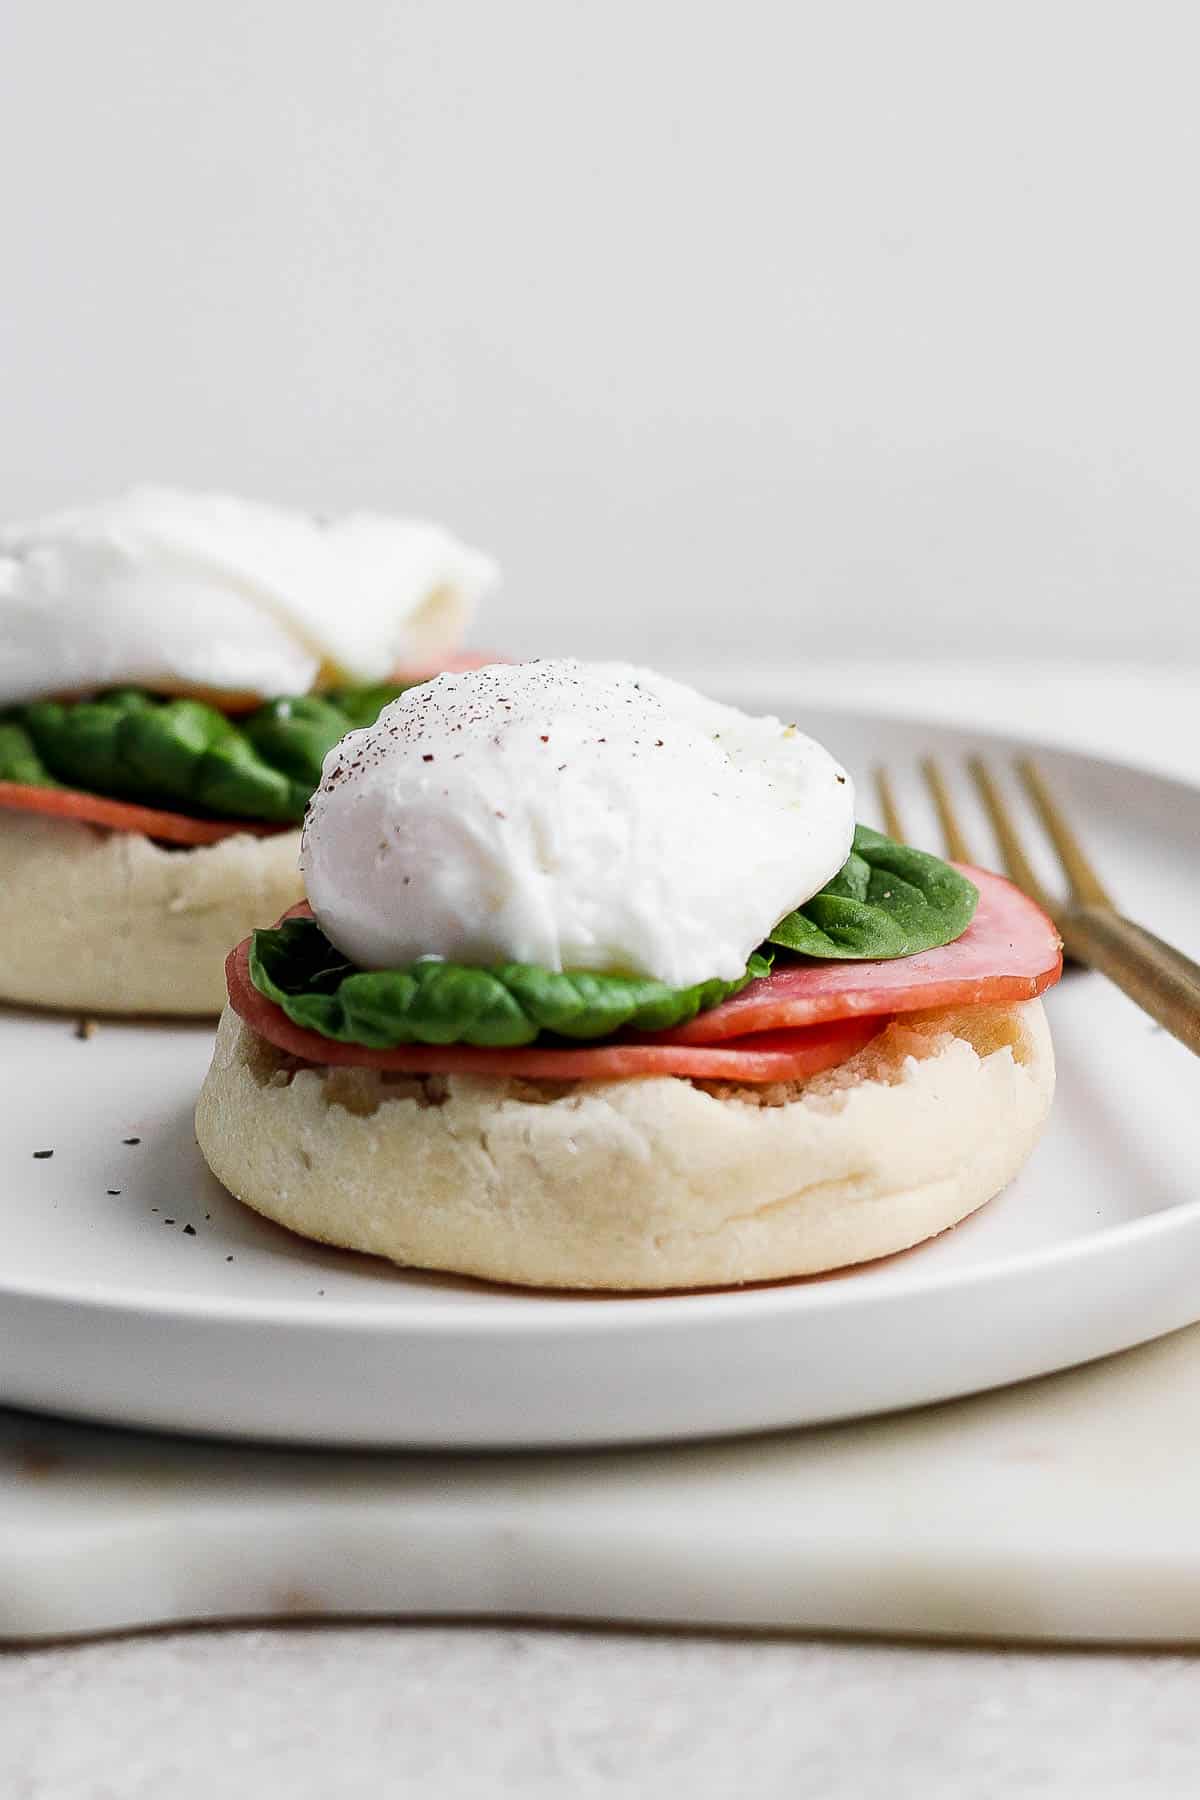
1062 1509
470 1712
476 1709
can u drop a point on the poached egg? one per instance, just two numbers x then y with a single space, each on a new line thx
574 815
181 592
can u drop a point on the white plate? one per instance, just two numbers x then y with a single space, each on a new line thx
166 1304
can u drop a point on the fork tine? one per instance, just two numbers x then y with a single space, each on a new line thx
887 804
956 844
1086 885
1011 848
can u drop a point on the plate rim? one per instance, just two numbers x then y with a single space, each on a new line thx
812 1293
534 1313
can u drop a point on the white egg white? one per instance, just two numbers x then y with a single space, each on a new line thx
572 815
174 590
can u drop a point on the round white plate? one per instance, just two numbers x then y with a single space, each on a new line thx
135 1290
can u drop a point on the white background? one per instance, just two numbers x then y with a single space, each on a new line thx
735 330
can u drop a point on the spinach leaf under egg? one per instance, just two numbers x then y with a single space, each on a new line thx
432 1002
183 754
887 900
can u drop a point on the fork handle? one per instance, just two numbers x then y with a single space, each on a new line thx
1183 963
1161 980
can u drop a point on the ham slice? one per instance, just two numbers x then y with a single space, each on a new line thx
1010 951
124 815
804 1018
458 664
770 1056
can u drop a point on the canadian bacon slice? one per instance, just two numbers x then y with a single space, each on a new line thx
795 1022
124 815
771 1056
459 664
1010 952
245 700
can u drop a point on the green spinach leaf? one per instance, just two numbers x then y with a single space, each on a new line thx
19 760
886 901
432 1002
131 745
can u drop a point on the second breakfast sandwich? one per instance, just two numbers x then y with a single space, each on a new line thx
174 668
600 985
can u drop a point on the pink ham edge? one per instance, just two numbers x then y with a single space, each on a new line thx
1010 951
459 664
788 1026
79 808
777 1056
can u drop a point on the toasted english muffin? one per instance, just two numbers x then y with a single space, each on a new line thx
111 921
649 1183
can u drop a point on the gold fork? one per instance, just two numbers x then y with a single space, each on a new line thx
1162 980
